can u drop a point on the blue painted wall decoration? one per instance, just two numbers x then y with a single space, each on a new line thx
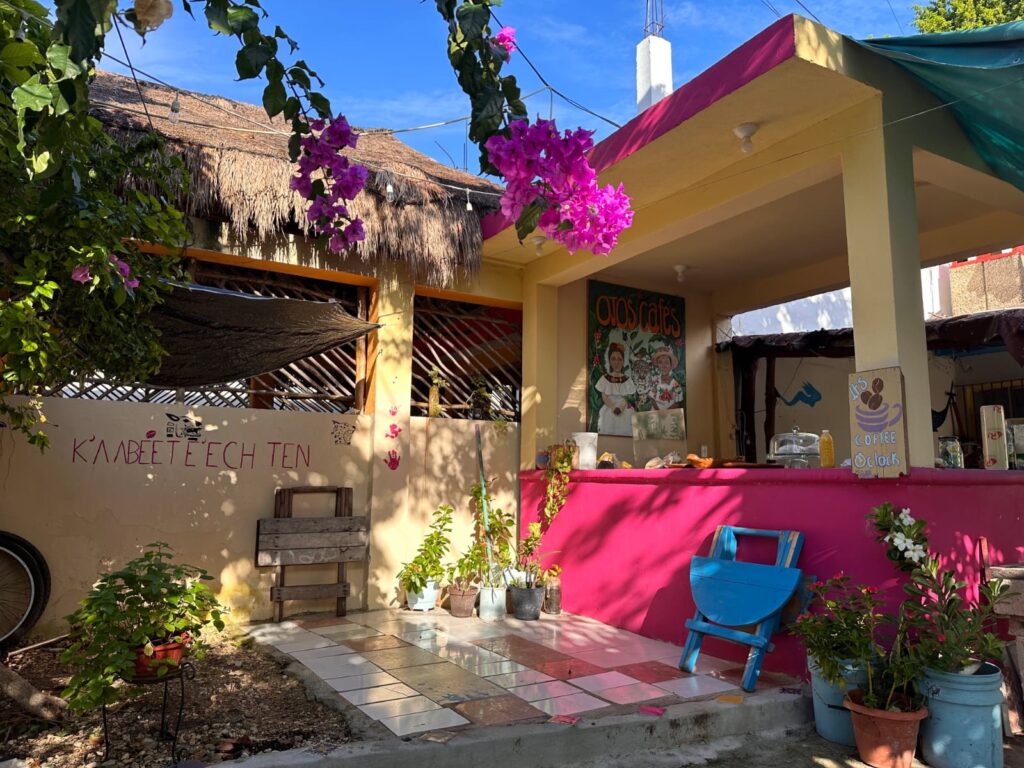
808 394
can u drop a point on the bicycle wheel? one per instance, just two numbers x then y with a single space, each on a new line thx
24 587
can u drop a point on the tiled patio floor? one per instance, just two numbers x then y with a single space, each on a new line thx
417 672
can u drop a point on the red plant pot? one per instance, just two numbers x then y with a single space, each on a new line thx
168 656
462 602
884 739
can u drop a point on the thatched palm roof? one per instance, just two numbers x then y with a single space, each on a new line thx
238 161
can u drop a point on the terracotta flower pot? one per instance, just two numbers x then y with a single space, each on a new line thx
462 601
168 655
884 739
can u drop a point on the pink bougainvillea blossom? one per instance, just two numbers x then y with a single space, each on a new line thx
81 274
506 38
339 179
541 165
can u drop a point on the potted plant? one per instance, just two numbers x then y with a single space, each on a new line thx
494 529
421 576
528 589
437 383
830 632
887 712
552 580
136 622
464 578
956 644
479 400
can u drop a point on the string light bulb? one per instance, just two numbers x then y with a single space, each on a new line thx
389 192
469 204
175 114
745 133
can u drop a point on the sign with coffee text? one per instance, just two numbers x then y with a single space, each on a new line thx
878 423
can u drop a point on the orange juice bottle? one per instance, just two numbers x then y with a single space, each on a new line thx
827 450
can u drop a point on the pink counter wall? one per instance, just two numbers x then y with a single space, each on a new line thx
625 537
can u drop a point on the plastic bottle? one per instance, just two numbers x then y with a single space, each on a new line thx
827 450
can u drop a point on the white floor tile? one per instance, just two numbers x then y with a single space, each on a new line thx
304 644
597 683
632 694
539 691
403 725
708 664
696 687
491 668
340 666
346 632
396 707
361 681
320 653
380 693
569 705
522 677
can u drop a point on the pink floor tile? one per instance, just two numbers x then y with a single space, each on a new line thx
539 691
597 683
632 694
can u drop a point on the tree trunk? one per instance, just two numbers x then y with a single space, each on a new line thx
42 705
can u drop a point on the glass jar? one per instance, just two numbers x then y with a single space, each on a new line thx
950 452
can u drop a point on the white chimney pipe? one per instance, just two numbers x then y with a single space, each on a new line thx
653 71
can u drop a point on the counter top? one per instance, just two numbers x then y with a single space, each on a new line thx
715 477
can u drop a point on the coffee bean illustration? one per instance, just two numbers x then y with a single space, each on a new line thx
865 397
877 386
875 402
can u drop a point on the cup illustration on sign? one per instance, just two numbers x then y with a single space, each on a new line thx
876 415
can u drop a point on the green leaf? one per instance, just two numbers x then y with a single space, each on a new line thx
241 19
274 98
527 221
472 21
320 103
251 60
21 54
59 57
31 95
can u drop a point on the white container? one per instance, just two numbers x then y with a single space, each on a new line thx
586 449
492 603
993 437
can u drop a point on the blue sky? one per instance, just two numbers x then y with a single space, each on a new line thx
385 64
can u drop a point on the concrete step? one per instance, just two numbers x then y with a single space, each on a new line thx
548 744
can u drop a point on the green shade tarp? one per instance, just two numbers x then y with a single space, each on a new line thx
979 73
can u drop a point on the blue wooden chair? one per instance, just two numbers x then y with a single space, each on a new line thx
734 597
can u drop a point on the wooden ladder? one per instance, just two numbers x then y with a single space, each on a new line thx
284 541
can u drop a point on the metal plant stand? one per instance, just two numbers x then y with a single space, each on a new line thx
184 671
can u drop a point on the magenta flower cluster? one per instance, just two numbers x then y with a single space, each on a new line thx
541 165
506 38
341 179
82 274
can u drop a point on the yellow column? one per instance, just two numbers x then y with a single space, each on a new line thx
394 533
885 272
540 371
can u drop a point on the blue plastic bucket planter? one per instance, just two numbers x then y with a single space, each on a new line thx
425 600
965 727
831 719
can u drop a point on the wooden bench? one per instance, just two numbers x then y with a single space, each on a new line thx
283 541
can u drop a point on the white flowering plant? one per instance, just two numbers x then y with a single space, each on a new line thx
948 631
906 543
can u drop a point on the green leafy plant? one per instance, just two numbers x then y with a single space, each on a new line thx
467 572
950 632
951 15
151 601
437 383
427 565
497 534
528 558
556 477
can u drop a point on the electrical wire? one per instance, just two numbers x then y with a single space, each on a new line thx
771 8
117 26
566 99
811 13
893 10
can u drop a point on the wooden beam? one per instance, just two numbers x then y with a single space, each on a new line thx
771 398
748 400
468 298
309 592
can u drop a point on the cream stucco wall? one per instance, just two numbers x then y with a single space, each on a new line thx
572 365
107 487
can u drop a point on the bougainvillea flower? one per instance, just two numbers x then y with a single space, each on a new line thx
506 38
81 274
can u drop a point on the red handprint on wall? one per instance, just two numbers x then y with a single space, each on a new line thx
393 432
392 460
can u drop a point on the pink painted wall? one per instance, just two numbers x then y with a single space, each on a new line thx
625 537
